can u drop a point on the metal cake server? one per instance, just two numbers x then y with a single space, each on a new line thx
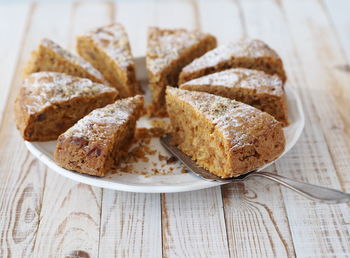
314 192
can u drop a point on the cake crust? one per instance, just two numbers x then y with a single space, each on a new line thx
108 50
245 53
95 144
252 87
51 57
168 51
48 103
225 136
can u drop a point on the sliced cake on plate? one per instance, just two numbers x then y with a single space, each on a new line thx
246 53
108 50
48 103
252 87
50 57
225 136
168 51
95 143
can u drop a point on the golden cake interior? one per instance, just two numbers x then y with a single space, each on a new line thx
108 50
96 143
224 136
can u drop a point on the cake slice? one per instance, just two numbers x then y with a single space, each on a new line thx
224 136
246 53
48 103
51 57
108 50
252 87
168 51
95 144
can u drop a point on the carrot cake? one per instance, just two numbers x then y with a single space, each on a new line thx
108 50
246 53
49 103
252 87
50 57
95 144
225 136
168 51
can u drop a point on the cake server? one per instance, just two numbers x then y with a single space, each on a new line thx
313 192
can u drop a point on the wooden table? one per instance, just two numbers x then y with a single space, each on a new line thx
45 215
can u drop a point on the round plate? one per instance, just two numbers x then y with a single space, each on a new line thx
175 182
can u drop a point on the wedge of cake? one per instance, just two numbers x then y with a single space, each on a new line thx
168 51
108 50
95 144
225 136
246 53
48 103
252 87
50 57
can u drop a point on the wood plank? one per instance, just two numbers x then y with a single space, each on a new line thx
192 223
130 225
325 56
221 18
338 12
71 212
317 229
256 220
22 177
131 222
16 15
136 28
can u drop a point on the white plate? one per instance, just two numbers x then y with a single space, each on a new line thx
176 182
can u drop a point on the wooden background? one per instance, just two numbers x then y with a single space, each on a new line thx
45 215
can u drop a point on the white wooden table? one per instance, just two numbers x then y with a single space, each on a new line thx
45 215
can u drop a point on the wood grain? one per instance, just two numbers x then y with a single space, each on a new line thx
193 224
254 228
22 176
71 212
313 226
17 16
130 225
184 214
131 222
45 215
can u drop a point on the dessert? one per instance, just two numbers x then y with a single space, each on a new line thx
95 144
49 103
51 57
224 136
168 51
246 53
252 87
108 50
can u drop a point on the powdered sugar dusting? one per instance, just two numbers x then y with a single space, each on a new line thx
72 58
114 41
238 122
252 48
165 46
99 123
43 89
259 81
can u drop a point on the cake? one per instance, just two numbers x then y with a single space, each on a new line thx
50 57
95 144
246 53
252 87
108 50
168 51
48 103
224 136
